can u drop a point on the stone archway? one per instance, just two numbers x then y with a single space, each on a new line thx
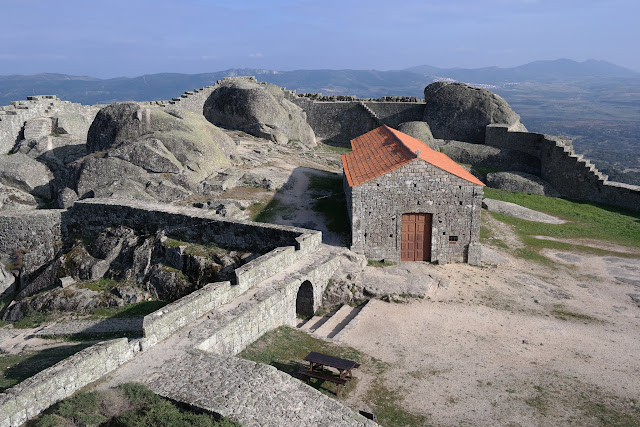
304 299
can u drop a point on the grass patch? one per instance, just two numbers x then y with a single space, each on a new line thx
208 250
484 171
334 148
268 212
587 220
101 285
560 312
139 309
34 320
380 263
285 348
15 368
130 404
330 201
584 221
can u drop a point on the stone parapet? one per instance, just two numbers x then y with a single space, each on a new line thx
33 395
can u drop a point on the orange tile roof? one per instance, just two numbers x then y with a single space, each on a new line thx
384 149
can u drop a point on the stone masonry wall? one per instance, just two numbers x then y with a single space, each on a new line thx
33 395
418 187
278 308
575 177
92 215
13 117
569 173
29 230
167 320
343 120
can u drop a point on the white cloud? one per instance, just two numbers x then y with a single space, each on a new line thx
256 55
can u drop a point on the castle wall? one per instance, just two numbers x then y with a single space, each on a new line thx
377 207
13 117
575 177
341 119
569 173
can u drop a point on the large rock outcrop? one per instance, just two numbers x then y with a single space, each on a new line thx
149 153
258 109
521 182
419 130
27 175
457 111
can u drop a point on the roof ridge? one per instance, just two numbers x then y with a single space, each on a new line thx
391 132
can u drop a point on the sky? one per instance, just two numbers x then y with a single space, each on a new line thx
127 38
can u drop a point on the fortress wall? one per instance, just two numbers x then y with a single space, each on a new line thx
393 114
29 229
337 121
29 239
575 177
93 215
13 117
343 120
26 400
192 100
500 136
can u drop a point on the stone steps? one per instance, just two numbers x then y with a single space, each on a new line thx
330 326
373 115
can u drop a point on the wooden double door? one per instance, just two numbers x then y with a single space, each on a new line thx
415 244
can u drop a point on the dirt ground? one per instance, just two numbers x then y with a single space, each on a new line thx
514 343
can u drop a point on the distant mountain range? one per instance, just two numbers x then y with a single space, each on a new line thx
595 103
362 83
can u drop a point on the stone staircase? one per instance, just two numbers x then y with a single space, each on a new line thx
331 326
371 113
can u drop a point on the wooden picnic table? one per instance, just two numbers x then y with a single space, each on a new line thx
344 366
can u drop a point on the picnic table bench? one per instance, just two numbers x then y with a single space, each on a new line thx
315 374
318 361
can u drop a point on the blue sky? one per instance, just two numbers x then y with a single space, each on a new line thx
133 37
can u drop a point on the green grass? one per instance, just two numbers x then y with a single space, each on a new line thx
268 212
131 405
335 147
34 320
585 220
382 263
101 285
198 249
484 171
330 202
285 348
15 368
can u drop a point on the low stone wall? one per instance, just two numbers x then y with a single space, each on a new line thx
164 322
250 321
93 215
265 266
33 395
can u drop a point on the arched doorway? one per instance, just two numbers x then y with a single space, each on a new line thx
304 299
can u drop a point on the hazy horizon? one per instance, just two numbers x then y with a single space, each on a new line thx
127 38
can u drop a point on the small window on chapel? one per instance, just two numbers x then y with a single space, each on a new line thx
453 240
